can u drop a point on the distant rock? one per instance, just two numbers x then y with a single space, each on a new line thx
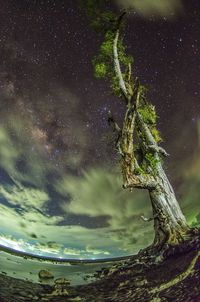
45 274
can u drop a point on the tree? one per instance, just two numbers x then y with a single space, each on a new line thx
138 139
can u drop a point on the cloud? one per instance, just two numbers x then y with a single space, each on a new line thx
146 8
99 193
42 124
72 252
89 251
17 156
29 152
71 242
24 197
43 136
93 251
51 248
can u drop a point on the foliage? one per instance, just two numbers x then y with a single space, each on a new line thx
103 62
100 70
103 20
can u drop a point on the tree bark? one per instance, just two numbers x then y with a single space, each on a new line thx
169 222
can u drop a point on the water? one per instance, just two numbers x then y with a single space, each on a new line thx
28 269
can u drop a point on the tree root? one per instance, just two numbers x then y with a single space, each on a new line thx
178 278
158 253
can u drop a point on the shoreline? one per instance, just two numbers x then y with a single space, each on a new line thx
27 255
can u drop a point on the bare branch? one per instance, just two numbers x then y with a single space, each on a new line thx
144 128
136 86
129 72
120 18
138 93
145 219
158 149
117 66
141 181
128 130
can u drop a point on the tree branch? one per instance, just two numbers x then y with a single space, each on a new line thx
130 165
151 142
112 122
129 72
145 219
125 147
117 66
117 130
141 181
144 129
158 149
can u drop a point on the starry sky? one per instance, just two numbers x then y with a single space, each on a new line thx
59 172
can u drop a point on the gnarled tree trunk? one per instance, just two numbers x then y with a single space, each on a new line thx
169 222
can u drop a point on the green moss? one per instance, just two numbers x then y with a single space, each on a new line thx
156 134
106 48
139 171
150 158
143 91
148 114
100 70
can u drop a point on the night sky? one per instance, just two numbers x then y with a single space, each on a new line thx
60 184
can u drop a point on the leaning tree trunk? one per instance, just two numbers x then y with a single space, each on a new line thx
169 222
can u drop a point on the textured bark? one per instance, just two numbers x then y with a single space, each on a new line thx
117 66
169 222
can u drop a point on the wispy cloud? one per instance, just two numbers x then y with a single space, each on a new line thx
100 193
159 8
